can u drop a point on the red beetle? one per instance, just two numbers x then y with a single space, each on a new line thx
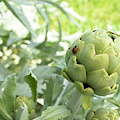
74 50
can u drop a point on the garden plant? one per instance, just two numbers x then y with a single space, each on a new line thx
49 74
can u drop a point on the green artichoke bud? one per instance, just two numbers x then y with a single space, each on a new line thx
93 61
103 114
20 101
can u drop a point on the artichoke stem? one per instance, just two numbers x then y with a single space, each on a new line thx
74 104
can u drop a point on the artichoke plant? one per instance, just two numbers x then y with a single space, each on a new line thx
103 114
93 64
20 101
93 61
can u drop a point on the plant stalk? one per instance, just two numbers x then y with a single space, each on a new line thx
74 104
65 83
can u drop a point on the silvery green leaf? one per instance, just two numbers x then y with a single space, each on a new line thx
12 39
22 113
9 92
54 88
3 113
25 2
3 72
19 14
45 2
54 113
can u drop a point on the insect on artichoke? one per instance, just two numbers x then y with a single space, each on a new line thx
20 101
103 114
93 62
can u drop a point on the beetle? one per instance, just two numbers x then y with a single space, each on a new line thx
74 50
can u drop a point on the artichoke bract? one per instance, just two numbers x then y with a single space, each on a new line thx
93 62
103 114
20 101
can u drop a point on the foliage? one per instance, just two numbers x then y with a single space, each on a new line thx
34 38
36 62
93 14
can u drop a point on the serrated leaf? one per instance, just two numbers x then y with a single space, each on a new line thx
54 113
41 86
9 92
32 82
3 112
114 101
22 113
19 14
54 88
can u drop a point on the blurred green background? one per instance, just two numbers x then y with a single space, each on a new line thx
95 14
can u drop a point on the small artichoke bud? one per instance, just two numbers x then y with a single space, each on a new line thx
94 61
20 101
103 114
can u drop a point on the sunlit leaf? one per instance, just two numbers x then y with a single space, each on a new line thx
19 14
54 113
32 82
45 16
60 29
56 47
59 7
9 93
25 2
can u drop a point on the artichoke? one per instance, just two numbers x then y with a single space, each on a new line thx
103 114
93 62
20 101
